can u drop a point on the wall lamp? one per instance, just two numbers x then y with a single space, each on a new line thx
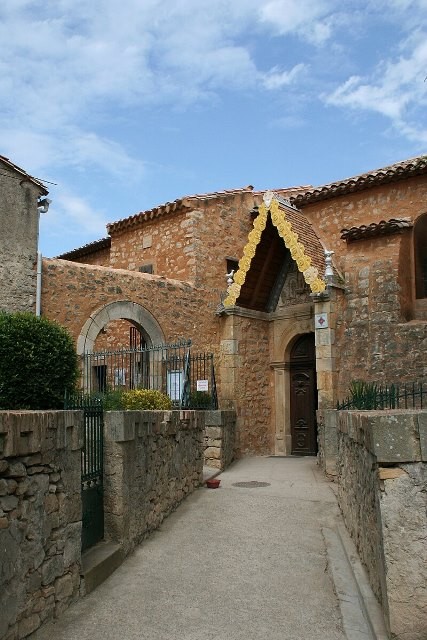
43 205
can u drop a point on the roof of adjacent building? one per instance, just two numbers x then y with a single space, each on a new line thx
376 229
24 174
187 202
87 249
393 173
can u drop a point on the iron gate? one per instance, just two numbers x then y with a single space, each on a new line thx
92 481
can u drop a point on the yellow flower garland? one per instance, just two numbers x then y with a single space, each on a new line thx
297 249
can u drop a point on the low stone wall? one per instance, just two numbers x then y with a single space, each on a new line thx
153 459
382 492
327 440
220 438
40 517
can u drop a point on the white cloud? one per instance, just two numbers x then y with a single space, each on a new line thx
395 89
276 79
309 19
66 66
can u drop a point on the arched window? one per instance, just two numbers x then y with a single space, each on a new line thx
420 250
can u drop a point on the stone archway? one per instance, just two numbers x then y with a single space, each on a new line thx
120 310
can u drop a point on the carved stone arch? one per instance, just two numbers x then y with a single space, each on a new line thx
289 336
119 310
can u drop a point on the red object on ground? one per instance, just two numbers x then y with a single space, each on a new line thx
213 483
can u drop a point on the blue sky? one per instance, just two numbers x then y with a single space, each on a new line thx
127 104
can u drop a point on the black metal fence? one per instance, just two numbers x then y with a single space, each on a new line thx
188 379
372 396
92 469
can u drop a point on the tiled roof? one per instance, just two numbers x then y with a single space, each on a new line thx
187 202
309 238
306 235
24 174
393 173
87 249
394 225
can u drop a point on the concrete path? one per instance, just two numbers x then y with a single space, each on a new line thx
232 563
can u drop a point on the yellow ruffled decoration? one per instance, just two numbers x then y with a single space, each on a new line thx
318 286
239 278
244 264
303 263
297 249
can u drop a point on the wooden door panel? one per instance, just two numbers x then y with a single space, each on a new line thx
303 407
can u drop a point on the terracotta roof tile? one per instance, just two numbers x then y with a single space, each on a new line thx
86 249
393 173
382 228
307 236
187 202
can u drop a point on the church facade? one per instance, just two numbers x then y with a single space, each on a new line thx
296 293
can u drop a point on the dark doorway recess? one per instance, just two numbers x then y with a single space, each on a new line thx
303 396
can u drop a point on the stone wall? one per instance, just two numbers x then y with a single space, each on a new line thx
18 247
40 518
327 440
220 438
247 377
382 492
376 330
153 460
72 292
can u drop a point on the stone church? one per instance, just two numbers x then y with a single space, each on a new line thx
296 292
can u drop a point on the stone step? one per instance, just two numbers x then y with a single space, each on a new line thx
99 562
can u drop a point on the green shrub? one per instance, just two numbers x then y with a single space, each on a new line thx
200 400
38 362
140 399
363 394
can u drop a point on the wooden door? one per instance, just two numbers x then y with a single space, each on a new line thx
303 397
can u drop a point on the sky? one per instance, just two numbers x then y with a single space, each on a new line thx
127 104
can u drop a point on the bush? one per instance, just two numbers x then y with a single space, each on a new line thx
38 362
140 399
200 400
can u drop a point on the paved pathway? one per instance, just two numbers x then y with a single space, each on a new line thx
232 563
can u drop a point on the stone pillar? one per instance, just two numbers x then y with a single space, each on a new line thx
283 441
220 438
229 362
325 324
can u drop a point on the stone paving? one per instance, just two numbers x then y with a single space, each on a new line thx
233 563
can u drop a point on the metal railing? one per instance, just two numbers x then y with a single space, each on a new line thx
188 379
372 396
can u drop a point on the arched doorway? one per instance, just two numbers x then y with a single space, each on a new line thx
134 313
303 396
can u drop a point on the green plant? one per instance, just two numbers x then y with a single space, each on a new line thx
140 399
111 399
363 395
38 362
200 400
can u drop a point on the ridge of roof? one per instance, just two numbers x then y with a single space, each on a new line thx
23 173
185 203
86 249
392 173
